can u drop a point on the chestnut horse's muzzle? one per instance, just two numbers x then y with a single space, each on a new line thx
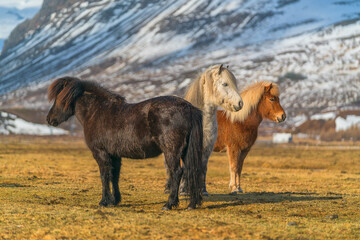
283 117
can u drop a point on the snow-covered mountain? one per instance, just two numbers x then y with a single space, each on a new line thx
146 48
12 16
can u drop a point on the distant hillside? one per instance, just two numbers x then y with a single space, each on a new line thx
146 48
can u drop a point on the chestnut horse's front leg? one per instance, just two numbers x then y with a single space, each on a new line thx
232 156
236 161
240 162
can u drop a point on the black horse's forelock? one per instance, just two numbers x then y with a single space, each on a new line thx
66 89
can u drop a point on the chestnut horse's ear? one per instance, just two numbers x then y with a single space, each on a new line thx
220 69
268 88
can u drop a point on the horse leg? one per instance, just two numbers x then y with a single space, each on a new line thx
184 183
105 165
205 159
232 155
116 163
184 187
240 163
167 184
175 172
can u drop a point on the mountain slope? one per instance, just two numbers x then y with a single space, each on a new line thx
142 49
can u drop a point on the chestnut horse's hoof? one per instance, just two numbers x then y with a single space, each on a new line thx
236 191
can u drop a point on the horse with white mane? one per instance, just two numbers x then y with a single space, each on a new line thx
214 87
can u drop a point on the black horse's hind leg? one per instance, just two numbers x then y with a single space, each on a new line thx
175 171
116 163
167 184
105 165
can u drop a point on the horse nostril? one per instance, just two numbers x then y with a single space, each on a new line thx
283 117
237 108
241 104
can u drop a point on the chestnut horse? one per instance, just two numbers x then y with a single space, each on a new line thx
114 129
214 87
237 132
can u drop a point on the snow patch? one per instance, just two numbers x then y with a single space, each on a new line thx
11 124
343 124
324 116
282 138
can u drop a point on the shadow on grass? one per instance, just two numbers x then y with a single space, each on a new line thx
264 197
12 185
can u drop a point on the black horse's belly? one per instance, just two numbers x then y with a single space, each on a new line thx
149 150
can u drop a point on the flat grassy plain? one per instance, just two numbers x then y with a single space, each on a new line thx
50 189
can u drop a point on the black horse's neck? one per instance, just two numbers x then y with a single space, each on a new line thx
83 108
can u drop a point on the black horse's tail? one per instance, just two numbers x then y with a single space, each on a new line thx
193 159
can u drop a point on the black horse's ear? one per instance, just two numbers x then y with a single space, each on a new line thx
220 69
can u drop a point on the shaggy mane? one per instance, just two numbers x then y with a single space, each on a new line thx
66 89
251 96
195 93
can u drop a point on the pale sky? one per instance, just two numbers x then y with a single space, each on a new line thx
21 4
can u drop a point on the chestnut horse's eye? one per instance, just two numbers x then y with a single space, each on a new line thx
271 99
225 84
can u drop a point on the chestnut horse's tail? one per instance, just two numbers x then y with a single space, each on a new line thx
193 159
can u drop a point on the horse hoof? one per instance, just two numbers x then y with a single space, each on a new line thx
205 193
236 191
184 194
165 209
190 207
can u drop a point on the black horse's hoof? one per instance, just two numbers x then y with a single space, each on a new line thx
165 208
205 193
190 207
184 194
107 203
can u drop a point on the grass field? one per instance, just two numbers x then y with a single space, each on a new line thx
50 189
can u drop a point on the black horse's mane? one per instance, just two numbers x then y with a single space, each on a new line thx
66 89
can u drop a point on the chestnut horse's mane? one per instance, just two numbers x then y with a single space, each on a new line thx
251 96
66 89
195 95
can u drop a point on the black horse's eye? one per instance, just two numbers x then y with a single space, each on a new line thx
271 99
225 84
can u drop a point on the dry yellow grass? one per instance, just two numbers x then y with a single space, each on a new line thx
51 191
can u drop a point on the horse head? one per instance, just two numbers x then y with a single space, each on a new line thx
269 104
64 91
220 88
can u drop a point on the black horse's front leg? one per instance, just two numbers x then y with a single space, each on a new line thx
106 171
116 163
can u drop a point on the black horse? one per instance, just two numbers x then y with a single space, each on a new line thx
114 129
